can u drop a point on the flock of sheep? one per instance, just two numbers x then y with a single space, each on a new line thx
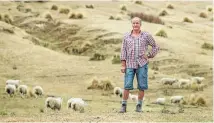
182 83
194 82
52 102
78 104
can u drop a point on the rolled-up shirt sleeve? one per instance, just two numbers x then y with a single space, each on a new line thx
155 47
123 50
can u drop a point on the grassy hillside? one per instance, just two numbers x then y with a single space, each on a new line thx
52 47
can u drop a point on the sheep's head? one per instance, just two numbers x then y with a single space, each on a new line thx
117 92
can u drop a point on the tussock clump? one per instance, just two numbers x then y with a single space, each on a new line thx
76 16
48 16
186 19
209 8
146 17
116 59
138 2
111 17
8 19
170 6
203 15
198 100
104 84
97 57
207 46
64 10
0 17
9 30
54 7
86 46
161 33
123 7
163 13
89 6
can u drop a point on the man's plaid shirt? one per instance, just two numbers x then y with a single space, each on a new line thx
129 47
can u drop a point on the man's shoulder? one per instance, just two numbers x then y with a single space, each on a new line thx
127 34
145 33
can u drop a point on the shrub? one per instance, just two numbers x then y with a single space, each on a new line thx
138 2
97 57
89 6
186 19
163 13
79 16
111 17
161 33
209 8
170 6
116 59
8 19
64 10
72 16
54 7
48 16
123 7
203 15
207 46
146 17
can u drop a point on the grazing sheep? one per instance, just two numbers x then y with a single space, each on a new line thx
118 91
160 101
198 80
13 82
37 90
23 89
54 103
10 89
77 104
133 97
184 83
168 81
176 99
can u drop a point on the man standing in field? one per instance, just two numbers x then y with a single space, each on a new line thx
134 58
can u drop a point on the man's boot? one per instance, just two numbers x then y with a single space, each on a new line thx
123 108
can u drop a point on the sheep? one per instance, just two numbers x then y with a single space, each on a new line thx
37 90
160 101
184 83
77 104
168 81
198 80
133 97
118 91
23 89
176 99
13 82
10 89
54 103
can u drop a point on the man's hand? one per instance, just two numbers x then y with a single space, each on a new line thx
146 57
123 69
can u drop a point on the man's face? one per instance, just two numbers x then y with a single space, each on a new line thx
136 24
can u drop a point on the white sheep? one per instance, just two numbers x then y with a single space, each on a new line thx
10 89
77 104
176 99
160 101
118 91
13 82
37 90
133 97
198 80
23 89
168 81
54 103
184 83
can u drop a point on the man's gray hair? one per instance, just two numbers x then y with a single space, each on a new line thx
136 18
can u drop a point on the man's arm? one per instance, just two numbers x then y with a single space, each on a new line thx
123 53
155 47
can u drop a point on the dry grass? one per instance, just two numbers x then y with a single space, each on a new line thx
64 10
161 33
54 7
188 20
163 13
48 16
203 15
207 46
76 16
9 30
111 17
170 6
103 84
8 19
147 18
0 17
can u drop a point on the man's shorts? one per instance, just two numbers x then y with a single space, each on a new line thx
142 78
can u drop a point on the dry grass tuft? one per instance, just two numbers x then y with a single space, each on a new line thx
203 15
89 6
186 19
207 46
116 59
163 13
104 84
54 7
161 33
170 6
64 10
